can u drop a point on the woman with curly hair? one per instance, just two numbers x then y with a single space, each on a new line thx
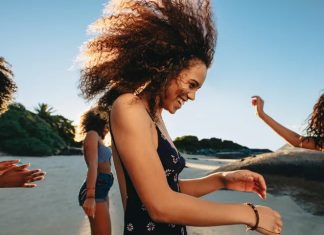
314 138
12 175
93 195
150 56
7 85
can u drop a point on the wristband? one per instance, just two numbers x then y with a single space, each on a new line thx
256 216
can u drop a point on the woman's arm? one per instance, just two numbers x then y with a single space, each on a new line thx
134 140
201 186
290 136
241 180
90 147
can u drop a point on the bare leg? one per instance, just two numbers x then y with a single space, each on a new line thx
101 225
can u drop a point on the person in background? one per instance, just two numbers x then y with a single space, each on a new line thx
314 138
150 56
93 195
12 175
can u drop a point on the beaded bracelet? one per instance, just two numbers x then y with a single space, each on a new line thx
256 216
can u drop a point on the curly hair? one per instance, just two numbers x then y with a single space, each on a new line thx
7 85
315 128
143 45
93 120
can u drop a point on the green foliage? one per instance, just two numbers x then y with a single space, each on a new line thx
187 143
191 144
61 125
25 133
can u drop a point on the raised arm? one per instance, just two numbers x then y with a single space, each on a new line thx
290 136
135 139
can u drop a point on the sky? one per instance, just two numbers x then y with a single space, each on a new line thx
272 48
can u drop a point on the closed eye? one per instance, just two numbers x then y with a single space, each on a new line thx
193 84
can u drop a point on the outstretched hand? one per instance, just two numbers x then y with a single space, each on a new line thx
12 175
245 181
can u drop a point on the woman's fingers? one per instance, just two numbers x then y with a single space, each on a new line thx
91 212
30 173
260 192
257 101
257 184
89 209
23 167
27 185
5 164
39 174
257 179
38 178
8 169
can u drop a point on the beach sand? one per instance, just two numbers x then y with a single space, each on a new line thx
52 207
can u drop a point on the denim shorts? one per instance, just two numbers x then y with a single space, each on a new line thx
103 184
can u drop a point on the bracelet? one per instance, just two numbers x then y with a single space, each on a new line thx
256 216
90 197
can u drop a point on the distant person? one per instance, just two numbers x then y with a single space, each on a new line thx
151 56
93 195
12 175
314 138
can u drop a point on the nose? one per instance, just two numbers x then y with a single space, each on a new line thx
192 95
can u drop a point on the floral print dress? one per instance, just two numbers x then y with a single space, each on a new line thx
137 220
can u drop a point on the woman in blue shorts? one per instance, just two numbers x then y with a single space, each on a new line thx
93 195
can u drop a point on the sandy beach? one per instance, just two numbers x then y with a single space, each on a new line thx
52 207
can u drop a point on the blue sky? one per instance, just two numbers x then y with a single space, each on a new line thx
271 48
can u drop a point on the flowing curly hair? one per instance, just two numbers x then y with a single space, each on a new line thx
315 128
93 120
141 45
7 85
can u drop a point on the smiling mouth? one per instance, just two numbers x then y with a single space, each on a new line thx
181 101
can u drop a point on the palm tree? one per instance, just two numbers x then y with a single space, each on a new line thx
45 112
7 85
65 129
60 124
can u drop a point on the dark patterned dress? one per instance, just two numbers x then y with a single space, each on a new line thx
137 220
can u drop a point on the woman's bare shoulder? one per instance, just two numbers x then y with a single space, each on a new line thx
127 100
129 106
91 136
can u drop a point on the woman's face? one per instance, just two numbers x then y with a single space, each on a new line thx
185 86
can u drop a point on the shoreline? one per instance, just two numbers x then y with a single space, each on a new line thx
52 207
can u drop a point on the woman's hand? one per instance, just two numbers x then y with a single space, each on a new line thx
270 221
20 176
89 207
5 165
258 103
245 181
